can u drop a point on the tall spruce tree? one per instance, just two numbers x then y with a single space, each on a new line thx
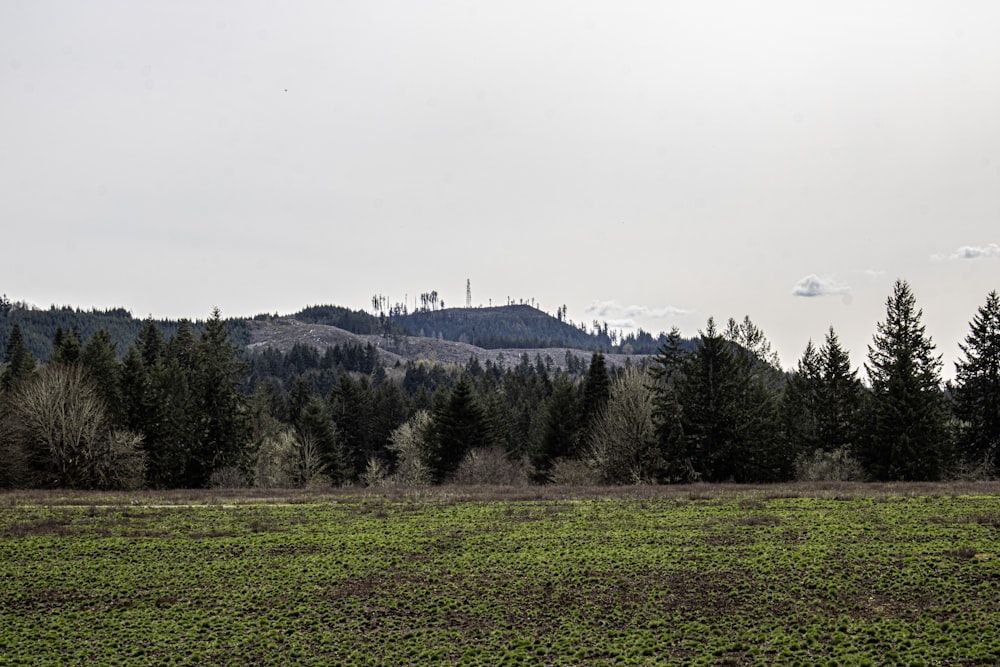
909 436
977 388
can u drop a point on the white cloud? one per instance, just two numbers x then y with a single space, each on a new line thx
616 310
991 250
812 285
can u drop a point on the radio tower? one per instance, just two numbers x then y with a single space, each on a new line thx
468 293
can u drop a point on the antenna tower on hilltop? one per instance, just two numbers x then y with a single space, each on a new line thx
468 293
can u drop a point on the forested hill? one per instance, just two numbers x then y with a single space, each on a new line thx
519 327
39 326
516 326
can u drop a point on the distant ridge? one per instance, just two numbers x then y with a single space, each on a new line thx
513 328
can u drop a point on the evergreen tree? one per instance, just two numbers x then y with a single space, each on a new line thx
19 363
65 347
909 438
839 408
222 427
665 372
707 393
759 382
353 412
101 364
800 403
317 431
150 343
460 425
561 432
596 389
977 387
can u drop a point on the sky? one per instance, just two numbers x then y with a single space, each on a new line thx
651 164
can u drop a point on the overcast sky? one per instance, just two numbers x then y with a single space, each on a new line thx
647 163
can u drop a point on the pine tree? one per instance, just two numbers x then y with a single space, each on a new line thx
977 387
908 418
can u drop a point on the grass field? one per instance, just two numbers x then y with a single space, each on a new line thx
835 574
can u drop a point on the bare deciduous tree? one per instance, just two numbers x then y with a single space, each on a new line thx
60 422
622 444
409 443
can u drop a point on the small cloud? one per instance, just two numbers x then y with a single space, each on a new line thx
614 309
812 285
989 251
874 274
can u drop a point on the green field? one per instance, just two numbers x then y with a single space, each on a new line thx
689 575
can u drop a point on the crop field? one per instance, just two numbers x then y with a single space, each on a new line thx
840 575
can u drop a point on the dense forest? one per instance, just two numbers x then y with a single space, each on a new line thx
185 405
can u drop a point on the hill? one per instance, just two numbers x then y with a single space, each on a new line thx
451 335
284 333
516 326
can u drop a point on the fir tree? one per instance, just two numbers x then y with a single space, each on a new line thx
839 405
707 393
665 372
908 418
561 431
101 364
222 427
977 387
596 389
459 425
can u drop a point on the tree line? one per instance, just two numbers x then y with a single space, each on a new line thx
194 409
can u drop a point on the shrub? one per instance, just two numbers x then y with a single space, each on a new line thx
822 466
229 477
490 466
571 472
